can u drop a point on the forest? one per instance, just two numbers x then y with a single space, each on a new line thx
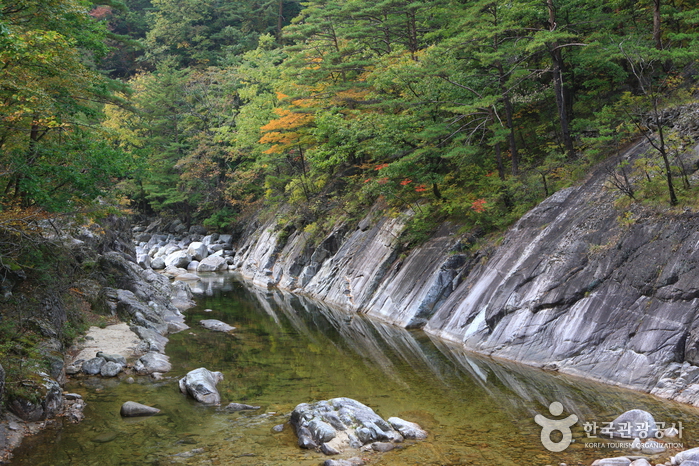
470 111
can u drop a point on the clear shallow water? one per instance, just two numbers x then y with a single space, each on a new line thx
288 350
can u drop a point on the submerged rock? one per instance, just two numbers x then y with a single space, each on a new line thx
347 462
216 325
200 384
341 423
133 409
407 429
239 407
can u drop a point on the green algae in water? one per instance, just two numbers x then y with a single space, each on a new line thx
288 350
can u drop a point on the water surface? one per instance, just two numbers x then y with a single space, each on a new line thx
288 350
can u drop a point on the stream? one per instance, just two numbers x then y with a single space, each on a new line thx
288 350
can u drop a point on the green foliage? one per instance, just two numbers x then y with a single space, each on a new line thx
220 220
199 33
53 151
467 111
21 360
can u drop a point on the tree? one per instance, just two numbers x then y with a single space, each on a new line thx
51 97
201 33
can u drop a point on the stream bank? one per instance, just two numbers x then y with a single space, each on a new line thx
288 349
107 286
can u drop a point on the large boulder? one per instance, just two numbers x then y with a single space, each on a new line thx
212 264
158 263
198 250
635 423
687 455
339 423
152 362
111 369
179 259
93 366
200 384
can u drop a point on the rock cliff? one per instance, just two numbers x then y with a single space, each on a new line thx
577 285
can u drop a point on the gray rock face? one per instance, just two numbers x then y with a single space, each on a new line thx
212 264
575 285
93 366
340 423
216 325
150 339
48 406
152 362
200 384
142 296
133 409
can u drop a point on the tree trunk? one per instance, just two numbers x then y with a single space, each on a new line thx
498 160
668 172
657 25
509 117
557 59
280 21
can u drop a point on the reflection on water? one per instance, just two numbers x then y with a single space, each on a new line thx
289 350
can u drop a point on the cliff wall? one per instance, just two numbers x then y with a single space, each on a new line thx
577 285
